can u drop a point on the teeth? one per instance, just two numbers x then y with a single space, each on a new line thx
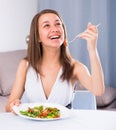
53 37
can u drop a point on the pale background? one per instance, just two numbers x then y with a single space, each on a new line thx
15 18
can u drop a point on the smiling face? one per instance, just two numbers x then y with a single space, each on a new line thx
51 32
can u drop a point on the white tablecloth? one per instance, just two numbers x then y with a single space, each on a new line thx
78 120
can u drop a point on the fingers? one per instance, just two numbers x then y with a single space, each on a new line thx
12 104
92 27
90 33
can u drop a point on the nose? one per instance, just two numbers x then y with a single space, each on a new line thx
54 29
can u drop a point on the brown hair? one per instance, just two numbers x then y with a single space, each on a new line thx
35 52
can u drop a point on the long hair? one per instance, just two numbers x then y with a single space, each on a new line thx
35 51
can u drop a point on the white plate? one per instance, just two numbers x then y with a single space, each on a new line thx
64 112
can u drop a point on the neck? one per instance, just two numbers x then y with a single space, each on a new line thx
51 57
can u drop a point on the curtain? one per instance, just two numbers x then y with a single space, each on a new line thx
76 15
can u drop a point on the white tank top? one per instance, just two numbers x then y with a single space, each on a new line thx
61 92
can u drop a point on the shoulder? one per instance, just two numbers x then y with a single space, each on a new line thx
23 65
78 67
77 64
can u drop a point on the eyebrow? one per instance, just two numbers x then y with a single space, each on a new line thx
45 22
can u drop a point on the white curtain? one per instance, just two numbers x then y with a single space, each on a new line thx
76 15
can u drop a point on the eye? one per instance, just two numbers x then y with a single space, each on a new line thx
58 23
46 25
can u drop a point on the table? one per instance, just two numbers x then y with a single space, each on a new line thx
78 120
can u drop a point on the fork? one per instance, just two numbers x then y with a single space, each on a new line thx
78 35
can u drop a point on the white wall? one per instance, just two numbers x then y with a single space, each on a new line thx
15 20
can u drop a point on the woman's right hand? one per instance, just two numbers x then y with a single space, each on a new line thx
16 102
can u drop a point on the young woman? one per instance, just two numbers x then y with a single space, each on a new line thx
49 73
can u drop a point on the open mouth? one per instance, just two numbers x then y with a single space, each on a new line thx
54 37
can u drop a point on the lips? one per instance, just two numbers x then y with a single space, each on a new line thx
54 37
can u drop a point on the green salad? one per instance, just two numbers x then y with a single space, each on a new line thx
41 112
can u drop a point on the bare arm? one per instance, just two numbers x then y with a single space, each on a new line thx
94 81
18 87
